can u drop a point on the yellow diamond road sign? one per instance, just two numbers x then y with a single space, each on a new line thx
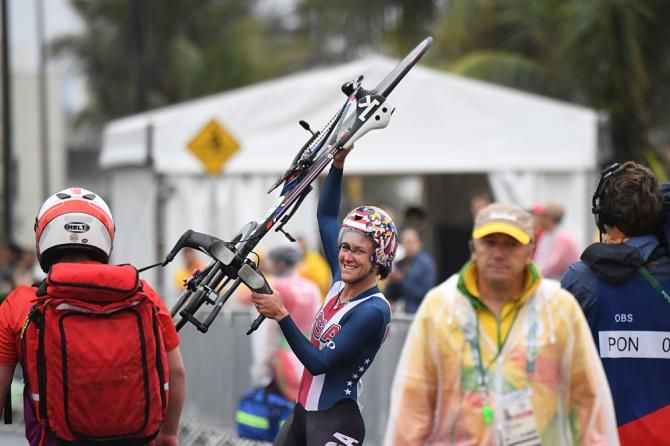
214 146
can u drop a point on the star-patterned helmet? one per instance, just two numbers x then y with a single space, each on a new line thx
378 225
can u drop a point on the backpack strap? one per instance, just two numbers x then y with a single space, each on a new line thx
41 288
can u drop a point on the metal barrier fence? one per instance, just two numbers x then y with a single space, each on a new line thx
218 373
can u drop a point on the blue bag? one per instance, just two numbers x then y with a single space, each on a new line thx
261 413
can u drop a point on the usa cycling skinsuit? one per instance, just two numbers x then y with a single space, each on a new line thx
342 346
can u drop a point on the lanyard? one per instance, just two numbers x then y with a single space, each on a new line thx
653 282
531 354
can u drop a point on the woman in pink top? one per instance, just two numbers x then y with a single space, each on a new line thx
557 249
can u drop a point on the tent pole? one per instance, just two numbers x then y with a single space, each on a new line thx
159 205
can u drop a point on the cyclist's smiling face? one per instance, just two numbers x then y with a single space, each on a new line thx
354 256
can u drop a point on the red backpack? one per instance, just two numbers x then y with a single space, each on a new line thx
94 357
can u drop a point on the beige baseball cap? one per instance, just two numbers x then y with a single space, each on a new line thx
504 218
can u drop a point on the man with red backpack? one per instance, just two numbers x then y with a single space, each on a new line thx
99 352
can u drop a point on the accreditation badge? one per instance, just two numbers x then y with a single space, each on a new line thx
517 420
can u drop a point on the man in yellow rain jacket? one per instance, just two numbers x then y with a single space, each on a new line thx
496 355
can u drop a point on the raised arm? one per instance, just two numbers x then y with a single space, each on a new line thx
327 213
328 209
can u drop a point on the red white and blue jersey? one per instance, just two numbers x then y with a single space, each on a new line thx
342 346
349 337
345 339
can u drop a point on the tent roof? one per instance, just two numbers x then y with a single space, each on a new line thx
442 123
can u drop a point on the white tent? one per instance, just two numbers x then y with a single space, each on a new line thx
535 149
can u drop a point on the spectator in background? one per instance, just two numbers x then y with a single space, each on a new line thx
314 267
557 249
191 262
413 275
497 355
538 227
621 284
415 217
25 269
478 202
274 364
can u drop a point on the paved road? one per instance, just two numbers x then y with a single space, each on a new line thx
11 439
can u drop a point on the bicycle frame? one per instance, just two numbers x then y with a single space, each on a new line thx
230 265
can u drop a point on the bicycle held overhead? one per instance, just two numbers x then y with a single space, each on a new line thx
230 263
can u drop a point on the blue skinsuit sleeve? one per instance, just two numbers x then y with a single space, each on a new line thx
326 214
361 328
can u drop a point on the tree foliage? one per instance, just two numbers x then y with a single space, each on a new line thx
612 55
339 29
191 48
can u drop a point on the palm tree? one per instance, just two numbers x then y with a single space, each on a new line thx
611 55
191 48
338 29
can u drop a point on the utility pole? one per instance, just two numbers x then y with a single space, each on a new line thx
140 16
7 160
140 19
43 94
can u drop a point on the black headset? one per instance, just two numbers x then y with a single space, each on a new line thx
598 208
